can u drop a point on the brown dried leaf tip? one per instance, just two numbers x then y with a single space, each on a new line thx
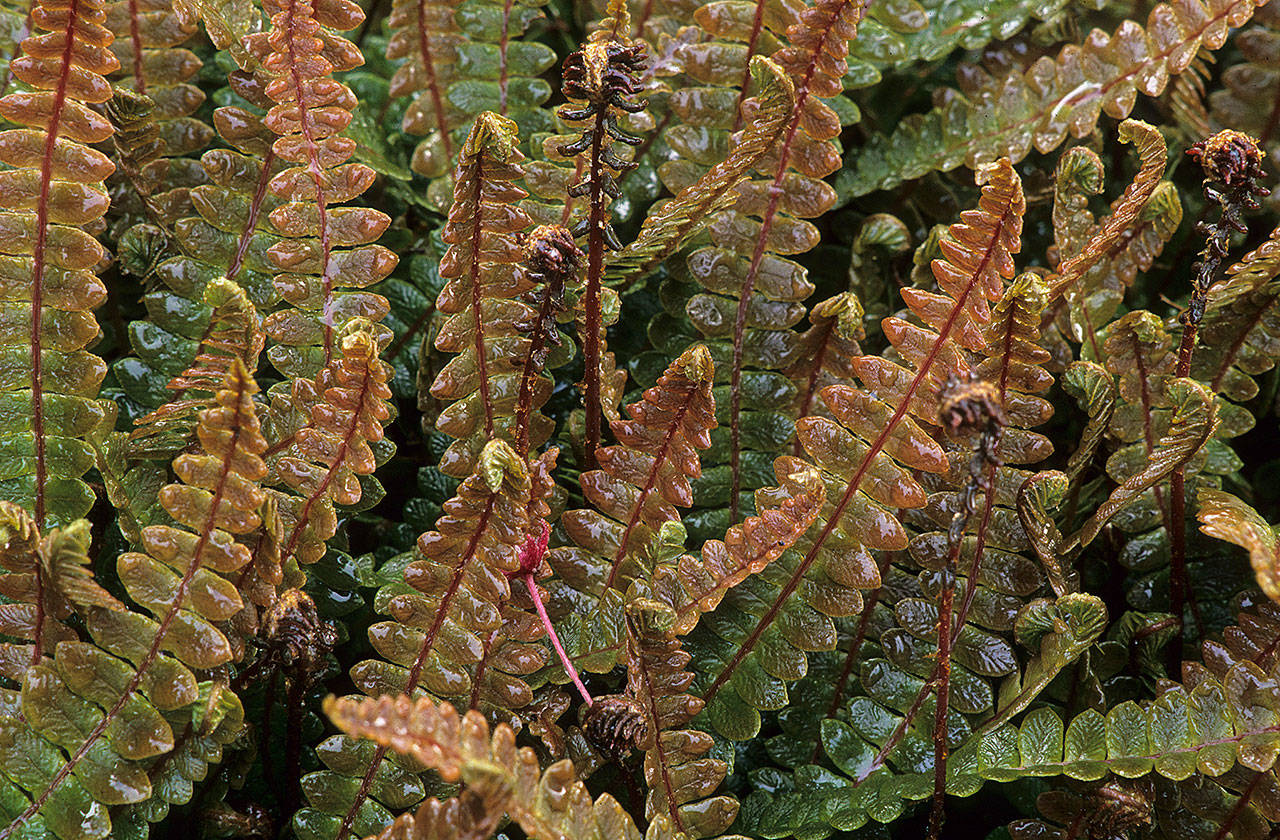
614 724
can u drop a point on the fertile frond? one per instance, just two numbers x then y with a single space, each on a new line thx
671 224
548 805
1009 114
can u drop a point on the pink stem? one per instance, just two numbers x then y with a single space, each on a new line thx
555 640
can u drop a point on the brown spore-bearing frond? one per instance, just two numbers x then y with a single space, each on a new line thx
642 480
544 803
328 454
438 632
52 190
599 82
327 256
615 724
677 771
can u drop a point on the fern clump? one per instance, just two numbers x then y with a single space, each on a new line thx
457 419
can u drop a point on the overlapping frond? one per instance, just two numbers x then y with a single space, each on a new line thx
752 292
641 481
501 299
150 40
679 773
443 617
51 191
227 237
865 456
105 704
326 256
547 805
1012 113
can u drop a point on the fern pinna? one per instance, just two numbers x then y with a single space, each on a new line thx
678 419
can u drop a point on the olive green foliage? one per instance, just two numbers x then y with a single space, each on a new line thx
665 419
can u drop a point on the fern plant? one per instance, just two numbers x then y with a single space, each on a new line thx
669 419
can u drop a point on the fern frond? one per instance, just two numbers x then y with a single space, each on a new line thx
641 481
547 805
227 238
753 291
1228 518
326 456
444 617
667 227
103 703
464 57
154 63
863 788
695 586
327 256
1191 426
1150 147
497 324
52 190
864 456
234 336
1012 114
677 770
